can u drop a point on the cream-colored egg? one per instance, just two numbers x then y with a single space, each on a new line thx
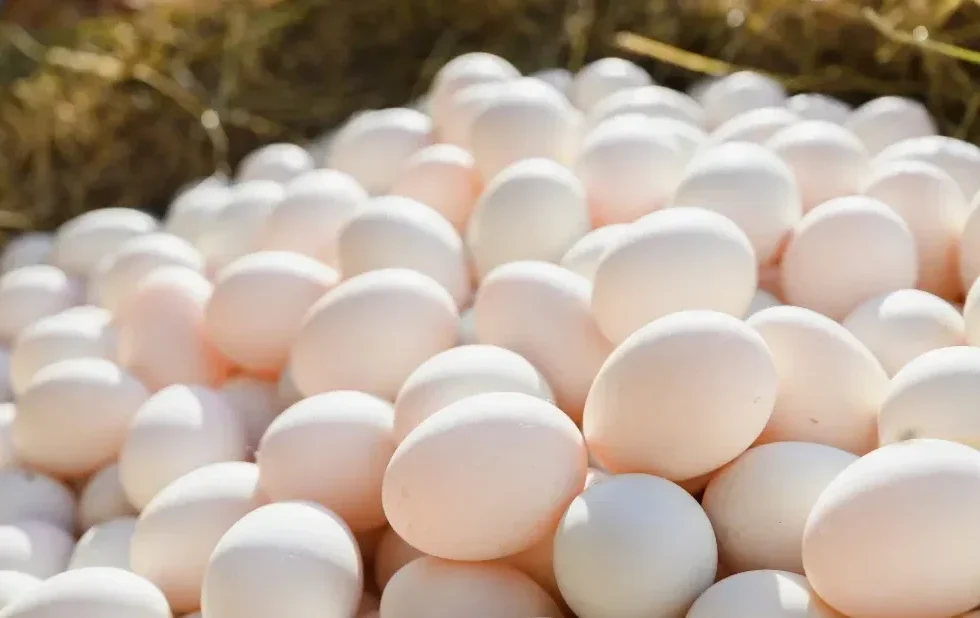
787 477
681 396
655 102
257 403
611 562
462 372
26 250
751 186
374 146
769 593
346 436
434 588
969 246
277 162
96 592
815 106
740 92
8 456
542 312
933 206
393 553
31 293
629 168
30 495
237 228
898 327
583 257
648 273
888 120
81 242
79 332
190 213
501 506
177 430
756 126
293 559
459 73
827 160
897 518
51 434
605 77
35 547
846 251
402 311
958 158
104 545
15 585
534 210
199 508
443 177
805 344
103 499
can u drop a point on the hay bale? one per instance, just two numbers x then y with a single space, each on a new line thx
122 110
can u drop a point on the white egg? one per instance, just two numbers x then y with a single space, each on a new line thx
26 250
191 211
34 547
235 230
958 158
888 120
459 73
583 257
653 101
81 242
95 592
277 162
755 126
815 106
729 96
31 293
104 545
604 77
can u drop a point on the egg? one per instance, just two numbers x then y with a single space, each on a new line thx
754 126
96 592
50 434
933 207
541 311
893 516
749 185
804 344
286 388
604 77
29 495
237 228
200 507
80 243
611 562
293 559
958 158
8 458
27 249
888 120
533 210
37 548
761 300
770 593
465 104
898 327
257 402
30 293
969 246
655 102
190 212
681 396
373 147
177 430
740 92
393 553
786 476
629 168
559 79
462 71
103 499
443 177
466 331
404 312
827 160
846 251
104 545
815 106
647 274
277 162
434 588
583 257
15 585
307 220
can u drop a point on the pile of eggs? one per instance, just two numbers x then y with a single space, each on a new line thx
538 347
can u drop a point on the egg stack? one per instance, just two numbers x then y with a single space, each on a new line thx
538 346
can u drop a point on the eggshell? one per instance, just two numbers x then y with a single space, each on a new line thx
888 120
653 102
97 592
466 333
466 103
257 403
788 477
754 126
79 332
749 185
805 344
286 388
611 562
26 250
8 457
559 79
648 273
177 430
534 210
30 293
80 243
815 106
15 585
104 545
827 160
103 499
958 158
541 311
740 92
761 300
29 495
404 312
459 73
443 177
190 213
161 331
583 257
503 507
200 507
604 77
898 327
49 433
522 121
846 251
277 162
969 246
374 146
34 547
769 593
932 205
237 228
393 553
629 168
294 559
399 232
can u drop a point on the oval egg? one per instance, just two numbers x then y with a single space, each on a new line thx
884 121
604 77
443 177
277 162
80 243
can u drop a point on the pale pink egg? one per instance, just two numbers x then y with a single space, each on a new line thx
463 71
654 102
103 499
583 257
770 593
465 105
30 293
237 228
104 545
604 77
35 547
755 126
96 592
277 162
26 249
735 94
888 120
80 243
958 158
969 246
443 177
815 106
